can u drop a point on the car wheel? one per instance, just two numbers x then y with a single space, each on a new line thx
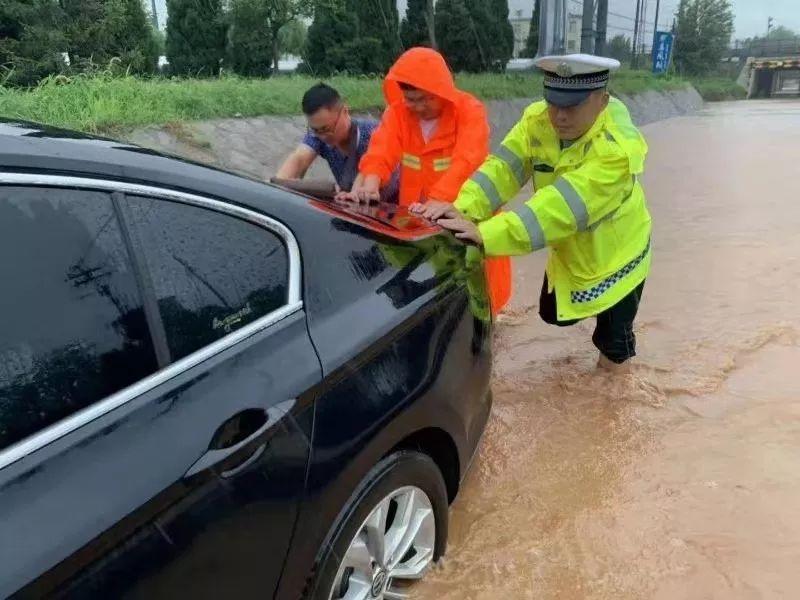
392 531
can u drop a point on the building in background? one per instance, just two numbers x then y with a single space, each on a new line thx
521 23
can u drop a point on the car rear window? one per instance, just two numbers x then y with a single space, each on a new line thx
389 219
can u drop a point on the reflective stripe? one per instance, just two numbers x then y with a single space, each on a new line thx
593 293
574 201
488 188
411 161
532 226
442 164
514 162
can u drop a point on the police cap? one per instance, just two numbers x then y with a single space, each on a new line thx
569 79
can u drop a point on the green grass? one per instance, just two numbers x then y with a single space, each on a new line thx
719 88
109 104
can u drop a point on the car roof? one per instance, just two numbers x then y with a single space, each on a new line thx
32 147
24 144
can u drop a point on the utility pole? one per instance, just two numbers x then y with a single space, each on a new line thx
552 27
635 47
602 24
655 26
587 30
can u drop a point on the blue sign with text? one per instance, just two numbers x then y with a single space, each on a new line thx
662 51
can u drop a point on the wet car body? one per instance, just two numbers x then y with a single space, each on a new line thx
221 465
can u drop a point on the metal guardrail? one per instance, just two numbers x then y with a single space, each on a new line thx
766 48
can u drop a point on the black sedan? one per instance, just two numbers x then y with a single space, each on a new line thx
212 387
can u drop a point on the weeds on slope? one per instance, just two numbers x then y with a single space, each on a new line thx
107 103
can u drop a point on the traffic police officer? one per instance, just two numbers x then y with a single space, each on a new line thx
585 157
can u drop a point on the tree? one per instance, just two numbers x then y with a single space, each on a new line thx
377 20
532 45
456 35
474 35
417 28
98 31
501 35
256 32
195 36
620 48
336 45
704 29
129 36
325 53
781 33
293 37
31 41
84 29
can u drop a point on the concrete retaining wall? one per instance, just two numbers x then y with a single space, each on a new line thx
257 146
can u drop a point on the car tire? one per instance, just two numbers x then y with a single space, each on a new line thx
406 491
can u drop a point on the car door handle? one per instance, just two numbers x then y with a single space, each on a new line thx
216 455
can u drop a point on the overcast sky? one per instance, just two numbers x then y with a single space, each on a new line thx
751 15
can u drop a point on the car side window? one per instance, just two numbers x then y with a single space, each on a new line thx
212 273
72 324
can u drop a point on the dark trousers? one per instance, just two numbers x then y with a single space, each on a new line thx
613 334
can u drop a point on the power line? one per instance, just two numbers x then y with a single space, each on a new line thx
628 29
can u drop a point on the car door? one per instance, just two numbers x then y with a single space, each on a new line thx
154 414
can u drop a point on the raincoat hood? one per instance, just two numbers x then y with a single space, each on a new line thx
425 69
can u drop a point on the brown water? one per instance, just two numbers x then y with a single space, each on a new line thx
681 480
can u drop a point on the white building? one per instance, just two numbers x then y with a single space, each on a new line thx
521 23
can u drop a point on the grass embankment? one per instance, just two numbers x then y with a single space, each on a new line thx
113 104
719 88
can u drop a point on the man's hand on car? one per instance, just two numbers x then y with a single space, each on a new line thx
464 229
364 190
433 210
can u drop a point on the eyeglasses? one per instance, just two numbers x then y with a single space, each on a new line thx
327 129
418 100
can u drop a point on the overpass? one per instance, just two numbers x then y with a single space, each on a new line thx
771 68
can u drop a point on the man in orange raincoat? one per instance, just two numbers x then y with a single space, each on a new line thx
438 135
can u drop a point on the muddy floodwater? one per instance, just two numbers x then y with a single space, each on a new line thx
681 480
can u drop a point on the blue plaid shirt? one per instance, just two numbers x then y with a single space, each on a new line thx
337 160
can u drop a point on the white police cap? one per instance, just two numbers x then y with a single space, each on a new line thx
569 79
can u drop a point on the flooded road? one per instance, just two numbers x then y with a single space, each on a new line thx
681 480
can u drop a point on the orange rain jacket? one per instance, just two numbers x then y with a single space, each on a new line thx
438 169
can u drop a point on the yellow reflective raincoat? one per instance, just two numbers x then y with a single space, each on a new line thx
588 207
